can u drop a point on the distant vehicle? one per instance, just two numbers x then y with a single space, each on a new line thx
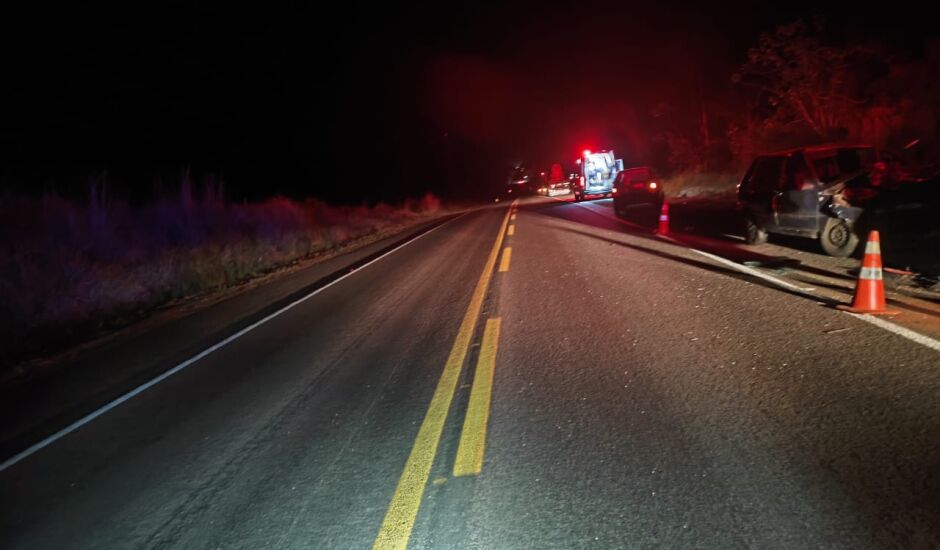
597 174
555 188
522 182
809 192
556 182
515 190
635 187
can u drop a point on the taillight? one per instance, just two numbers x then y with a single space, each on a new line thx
653 185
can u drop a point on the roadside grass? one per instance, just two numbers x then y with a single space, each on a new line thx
71 269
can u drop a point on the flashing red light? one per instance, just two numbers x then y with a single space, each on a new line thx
653 185
587 152
613 190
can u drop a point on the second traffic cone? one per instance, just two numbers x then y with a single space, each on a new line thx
870 288
663 228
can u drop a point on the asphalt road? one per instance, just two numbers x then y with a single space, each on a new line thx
596 387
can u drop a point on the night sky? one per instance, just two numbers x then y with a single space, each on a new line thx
356 102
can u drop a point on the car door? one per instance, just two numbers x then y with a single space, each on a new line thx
759 190
796 202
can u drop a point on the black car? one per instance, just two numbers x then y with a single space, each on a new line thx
522 182
807 192
637 187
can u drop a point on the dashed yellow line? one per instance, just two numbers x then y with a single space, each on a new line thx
513 217
403 509
504 263
511 231
472 444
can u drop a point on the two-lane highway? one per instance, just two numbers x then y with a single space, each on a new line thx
537 378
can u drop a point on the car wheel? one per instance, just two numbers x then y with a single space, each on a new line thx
753 233
838 238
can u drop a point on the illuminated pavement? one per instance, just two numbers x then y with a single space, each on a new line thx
641 395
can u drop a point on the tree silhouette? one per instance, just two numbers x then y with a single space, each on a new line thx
800 80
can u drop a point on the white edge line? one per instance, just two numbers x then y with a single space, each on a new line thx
899 330
604 214
752 271
147 385
742 268
878 322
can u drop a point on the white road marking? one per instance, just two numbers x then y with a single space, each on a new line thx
742 268
608 216
753 272
147 385
899 330
878 322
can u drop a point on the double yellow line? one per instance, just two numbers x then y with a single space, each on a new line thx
403 509
472 444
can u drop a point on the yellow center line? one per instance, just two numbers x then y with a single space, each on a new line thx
472 444
403 509
512 230
504 263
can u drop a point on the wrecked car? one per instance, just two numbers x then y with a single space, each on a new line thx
815 192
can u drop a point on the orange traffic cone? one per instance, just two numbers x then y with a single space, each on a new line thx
870 288
664 219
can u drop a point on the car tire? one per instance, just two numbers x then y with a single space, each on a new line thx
838 238
753 233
